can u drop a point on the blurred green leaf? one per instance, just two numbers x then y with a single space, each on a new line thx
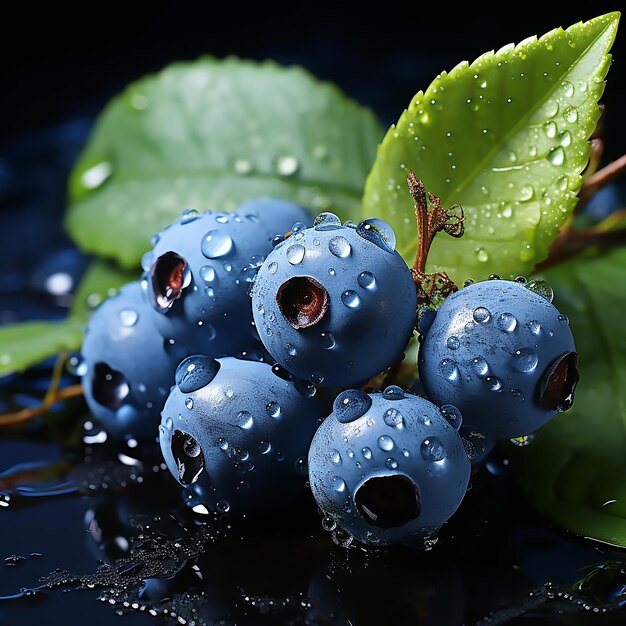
507 138
575 470
28 343
209 135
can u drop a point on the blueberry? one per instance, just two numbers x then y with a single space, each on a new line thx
335 304
501 352
388 468
236 434
129 367
199 271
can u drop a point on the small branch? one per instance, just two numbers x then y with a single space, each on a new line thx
424 237
572 242
25 415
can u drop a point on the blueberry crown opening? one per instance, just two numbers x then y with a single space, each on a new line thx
188 456
108 386
303 301
168 275
558 385
388 501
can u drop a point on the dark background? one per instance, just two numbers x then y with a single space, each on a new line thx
61 63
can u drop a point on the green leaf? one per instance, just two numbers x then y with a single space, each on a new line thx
210 135
507 138
28 343
575 470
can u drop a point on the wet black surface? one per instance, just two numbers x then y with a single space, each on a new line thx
103 537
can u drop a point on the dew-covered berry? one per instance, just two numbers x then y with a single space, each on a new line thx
236 434
198 274
335 304
388 468
501 352
127 367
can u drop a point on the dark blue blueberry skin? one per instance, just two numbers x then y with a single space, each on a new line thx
199 271
388 471
335 304
237 435
128 367
503 355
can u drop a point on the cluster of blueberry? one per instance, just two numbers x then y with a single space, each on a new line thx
261 334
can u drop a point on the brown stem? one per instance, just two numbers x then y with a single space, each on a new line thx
573 242
27 414
424 237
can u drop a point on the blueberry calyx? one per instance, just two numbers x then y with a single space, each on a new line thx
559 382
303 301
188 456
388 501
109 386
169 276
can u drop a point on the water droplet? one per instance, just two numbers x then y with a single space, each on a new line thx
432 450
227 266
525 359
393 418
565 138
493 383
526 193
385 442
222 444
506 322
195 372
517 395
534 326
482 255
551 108
216 243
367 453
242 167
291 349
391 464
244 420
452 415
327 221
393 392
295 254
522 441
453 343
189 403
480 366
557 156
563 319
378 232
366 280
550 129
332 272
339 484
570 114
327 340
128 317
449 369
568 88
541 288
96 175
351 404
351 299
287 165
339 247
222 506
265 447
272 408
207 273
481 315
